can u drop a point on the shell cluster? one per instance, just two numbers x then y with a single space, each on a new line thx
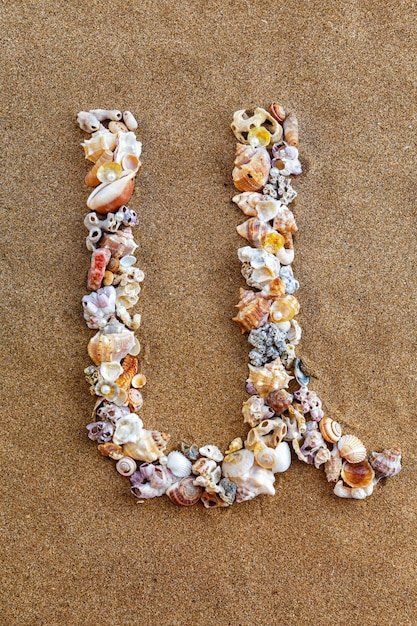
283 416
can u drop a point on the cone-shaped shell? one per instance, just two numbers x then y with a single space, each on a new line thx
358 475
111 344
386 463
277 111
330 429
252 168
108 197
254 231
185 493
351 449
291 130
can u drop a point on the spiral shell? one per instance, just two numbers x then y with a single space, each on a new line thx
277 459
253 310
113 450
291 130
237 463
358 475
333 466
251 169
279 401
179 464
184 493
277 111
351 449
112 343
254 231
126 466
386 463
330 429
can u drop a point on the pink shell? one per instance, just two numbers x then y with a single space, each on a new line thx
99 260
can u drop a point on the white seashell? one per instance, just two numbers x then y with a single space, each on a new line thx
277 459
237 463
266 210
271 377
129 120
107 114
178 464
204 467
294 332
211 452
88 121
242 123
255 411
149 447
265 266
110 370
127 261
126 466
128 429
351 449
136 348
284 327
100 141
256 482
285 255
358 493
127 144
99 306
248 201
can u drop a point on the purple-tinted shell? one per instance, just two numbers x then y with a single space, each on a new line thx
100 431
129 216
151 481
250 388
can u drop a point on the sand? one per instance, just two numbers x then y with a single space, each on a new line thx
78 549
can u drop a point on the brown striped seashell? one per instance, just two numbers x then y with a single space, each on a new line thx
212 500
108 197
330 429
277 111
113 450
185 493
284 221
254 231
253 310
279 401
351 449
290 125
333 465
358 475
251 169
91 177
112 343
386 463
130 368
126 466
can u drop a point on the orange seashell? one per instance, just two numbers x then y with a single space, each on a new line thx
358 475
253 310
291 130
276 288
212 500
91 177
113 450
108 197
112 343
277 111
251 169
284 221
331 430
284 309
130 368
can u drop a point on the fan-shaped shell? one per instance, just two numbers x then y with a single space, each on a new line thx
108 197
112 343
351 449
386 463
330 429
179 464
253 310
185 493
126 466
251 169
358 475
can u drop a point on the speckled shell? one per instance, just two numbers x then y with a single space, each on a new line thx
284 221
113 450
351 449
112 343
330 429
358 475
130 368
185 493
254 231
271 377
253 310
251 169
179 464
279 401
108 197
386 463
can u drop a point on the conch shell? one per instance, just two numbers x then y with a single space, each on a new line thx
242 124
386 463
112 343
100 141
250 479
269 378
333 466
254 231
108 197
251 169
253 310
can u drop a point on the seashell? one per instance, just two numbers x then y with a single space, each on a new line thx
113 265
112 343
179 464
108 278
109 172
211 452
99 260
291 130
259 137
110 370
271 377
109 411
108 197
149 447
279 401
227 490
139 381
301 377
100 431
357 493
267 433
190 451
259 267
129 120
129 369
128 429
248 201
135 399
113 450
234 446
212 500
184 493
126 466
253 310
284 221
100 141
277 459
277 111
351 449
88 122
331 430
237 464
256 482
99 306
333 466
127 261
131 162
269 343
286 160
254 231
283 309
136 348
386 463
242 124
118 127
91 177
272 242
274 289
310 403
291 284
127 144
358 474
120 243
251 169
107 114
295 423
255 411
151 481
285 256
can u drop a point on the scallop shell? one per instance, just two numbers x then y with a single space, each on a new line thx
185 493
330 429
283 309
351 449
333 466
277 111
179 464
254 231
358 475
253 310
100 141
108 197
386 463
112 343
291 130
242 124
126 466
251 169
129 370
271 377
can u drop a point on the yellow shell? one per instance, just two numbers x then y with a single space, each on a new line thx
91 178
253 310
272 242
284 309
272 376
259 137
109 172
251 169
351 449
330 429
